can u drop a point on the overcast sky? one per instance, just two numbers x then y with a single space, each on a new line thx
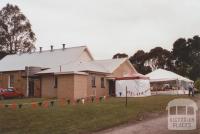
111 26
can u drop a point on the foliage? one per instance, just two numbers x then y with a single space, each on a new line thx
156 58
16 34
120 55
2 54
184 58
187 56
138 60
197 84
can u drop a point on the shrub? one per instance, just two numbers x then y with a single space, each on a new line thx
68 101
6 105
92 99
52 103
78 100
101 98
40 103
197 85
20 106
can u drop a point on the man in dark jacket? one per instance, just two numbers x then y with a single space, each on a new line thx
191 89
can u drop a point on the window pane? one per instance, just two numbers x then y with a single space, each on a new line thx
181 110
190 110
11 78
173 110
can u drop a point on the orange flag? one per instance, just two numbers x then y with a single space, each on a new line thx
1 105
45 104
14 105
97 99
61 102
34 105
73 102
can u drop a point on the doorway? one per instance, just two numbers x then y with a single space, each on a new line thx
111 87
31 88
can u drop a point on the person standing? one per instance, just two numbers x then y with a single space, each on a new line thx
191 89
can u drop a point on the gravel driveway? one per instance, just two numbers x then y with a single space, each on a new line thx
156 125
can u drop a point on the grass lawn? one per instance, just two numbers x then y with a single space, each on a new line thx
76 119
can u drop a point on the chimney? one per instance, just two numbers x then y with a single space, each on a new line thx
51 48
63 46
40 49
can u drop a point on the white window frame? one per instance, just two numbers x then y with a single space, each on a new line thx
9 81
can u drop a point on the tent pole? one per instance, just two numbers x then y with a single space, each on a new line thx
177 84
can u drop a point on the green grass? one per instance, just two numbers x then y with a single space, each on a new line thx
76 119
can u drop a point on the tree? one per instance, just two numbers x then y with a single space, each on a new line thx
16 34
197 84
160 58
138 60
187 56
120 55
2 54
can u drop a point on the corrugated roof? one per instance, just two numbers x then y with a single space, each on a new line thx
44 59
78 66
101 66
110 64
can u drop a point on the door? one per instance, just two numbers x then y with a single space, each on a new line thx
111 87
31 88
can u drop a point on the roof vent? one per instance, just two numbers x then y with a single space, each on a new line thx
51 48
63 46
40 49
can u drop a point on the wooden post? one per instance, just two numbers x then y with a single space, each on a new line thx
126 96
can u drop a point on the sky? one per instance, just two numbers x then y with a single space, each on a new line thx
110 26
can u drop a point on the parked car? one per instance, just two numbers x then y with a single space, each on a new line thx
10 93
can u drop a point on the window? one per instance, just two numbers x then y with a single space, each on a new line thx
93 81
55 82
102 82
10 90
11 81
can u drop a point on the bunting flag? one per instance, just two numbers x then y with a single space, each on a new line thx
1 105
73 102
48 103
34 105
45 104
83 101
14 105
62 102
97 100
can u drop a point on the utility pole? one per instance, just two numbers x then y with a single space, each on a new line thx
126 97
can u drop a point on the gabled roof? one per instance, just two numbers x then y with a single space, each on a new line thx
100 66
44 59
164 75
110 64
78 66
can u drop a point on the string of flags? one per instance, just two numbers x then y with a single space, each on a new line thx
132 93
51 103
